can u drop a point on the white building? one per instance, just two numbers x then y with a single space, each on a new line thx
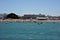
41 18
2 16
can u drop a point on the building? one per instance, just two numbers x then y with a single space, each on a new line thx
32 16
53 18
41 18
2 16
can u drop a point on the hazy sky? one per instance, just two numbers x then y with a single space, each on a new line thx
48 7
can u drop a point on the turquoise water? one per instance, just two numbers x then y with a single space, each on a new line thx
29 30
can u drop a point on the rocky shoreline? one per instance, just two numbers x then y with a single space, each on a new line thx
27 20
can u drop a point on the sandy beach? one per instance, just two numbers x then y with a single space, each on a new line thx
27 20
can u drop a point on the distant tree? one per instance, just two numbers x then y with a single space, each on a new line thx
12 16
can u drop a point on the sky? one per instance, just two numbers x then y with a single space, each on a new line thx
21 7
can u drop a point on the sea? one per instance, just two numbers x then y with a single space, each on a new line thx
29 30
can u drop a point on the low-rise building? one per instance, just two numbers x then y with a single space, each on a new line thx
53 18
41 18
2 16
32 16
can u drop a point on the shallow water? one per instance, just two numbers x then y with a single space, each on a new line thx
29 30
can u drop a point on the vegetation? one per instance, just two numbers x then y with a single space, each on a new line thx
12 16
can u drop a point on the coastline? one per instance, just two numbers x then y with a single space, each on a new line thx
27 20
